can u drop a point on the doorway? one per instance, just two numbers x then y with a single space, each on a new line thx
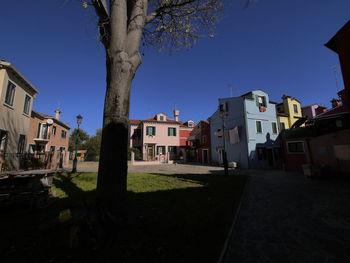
205 156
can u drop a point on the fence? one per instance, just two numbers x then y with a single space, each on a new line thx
25 161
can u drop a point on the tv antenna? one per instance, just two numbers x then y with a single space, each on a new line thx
335 72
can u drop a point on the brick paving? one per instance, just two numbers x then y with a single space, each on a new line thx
285 217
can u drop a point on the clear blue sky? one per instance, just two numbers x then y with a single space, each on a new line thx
274 45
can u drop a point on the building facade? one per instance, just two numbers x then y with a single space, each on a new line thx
48 135
200 142
16 101
247 131
311 111
159 138
288 112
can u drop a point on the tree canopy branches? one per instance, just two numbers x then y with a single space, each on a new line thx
169 24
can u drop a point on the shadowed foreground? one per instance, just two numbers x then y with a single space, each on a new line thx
171 218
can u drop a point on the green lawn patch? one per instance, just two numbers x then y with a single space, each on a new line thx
171 218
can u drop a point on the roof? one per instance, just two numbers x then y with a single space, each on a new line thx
318 106
332 43
154 119
8 65
339 110
287 96
135 122
46 116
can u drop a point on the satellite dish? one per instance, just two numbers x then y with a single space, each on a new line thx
49 121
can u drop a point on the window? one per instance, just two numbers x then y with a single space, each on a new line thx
219 133
62 149
282 126
258 126
223 108
171 131
295 107
161 118
160 149
172 149
21 143
42 131
52 148
3 140
63 134
151 130
204 139
261 101
10 93
32 148
274 127
54 130
26 104
137 133
295 147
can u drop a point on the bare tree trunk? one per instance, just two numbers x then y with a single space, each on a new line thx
113 168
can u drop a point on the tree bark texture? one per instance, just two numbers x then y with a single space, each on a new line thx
122 61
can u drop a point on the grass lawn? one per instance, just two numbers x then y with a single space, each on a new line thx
171 218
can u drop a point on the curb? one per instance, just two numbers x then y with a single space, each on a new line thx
229 235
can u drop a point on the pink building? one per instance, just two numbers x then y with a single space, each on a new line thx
159 138
313 110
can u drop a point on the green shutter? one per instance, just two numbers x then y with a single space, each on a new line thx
169 129
154 131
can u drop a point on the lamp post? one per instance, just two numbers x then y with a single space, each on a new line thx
75 160
223 113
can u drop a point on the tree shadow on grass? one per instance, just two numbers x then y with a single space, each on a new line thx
179 225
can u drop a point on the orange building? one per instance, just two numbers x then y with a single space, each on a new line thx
47 134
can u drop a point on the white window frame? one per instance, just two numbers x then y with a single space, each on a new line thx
27 102
12 93
284 124
273 122
256 126
297 108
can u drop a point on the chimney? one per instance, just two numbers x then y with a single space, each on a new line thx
335 103
58 114
176 115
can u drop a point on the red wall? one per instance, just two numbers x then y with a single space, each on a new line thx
294 161
184 134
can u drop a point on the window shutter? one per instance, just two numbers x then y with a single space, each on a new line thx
174 131
264 101
257 100
154 131
169 131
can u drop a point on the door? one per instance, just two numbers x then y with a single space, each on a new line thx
270 157
205 156
150 152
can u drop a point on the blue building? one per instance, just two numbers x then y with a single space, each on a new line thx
250 130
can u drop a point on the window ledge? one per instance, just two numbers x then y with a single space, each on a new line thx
25 114
9 106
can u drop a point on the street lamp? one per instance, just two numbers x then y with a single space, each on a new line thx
223 113
75 160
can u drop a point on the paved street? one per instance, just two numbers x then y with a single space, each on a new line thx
287 218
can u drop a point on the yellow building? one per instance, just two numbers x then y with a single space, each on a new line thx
288 112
